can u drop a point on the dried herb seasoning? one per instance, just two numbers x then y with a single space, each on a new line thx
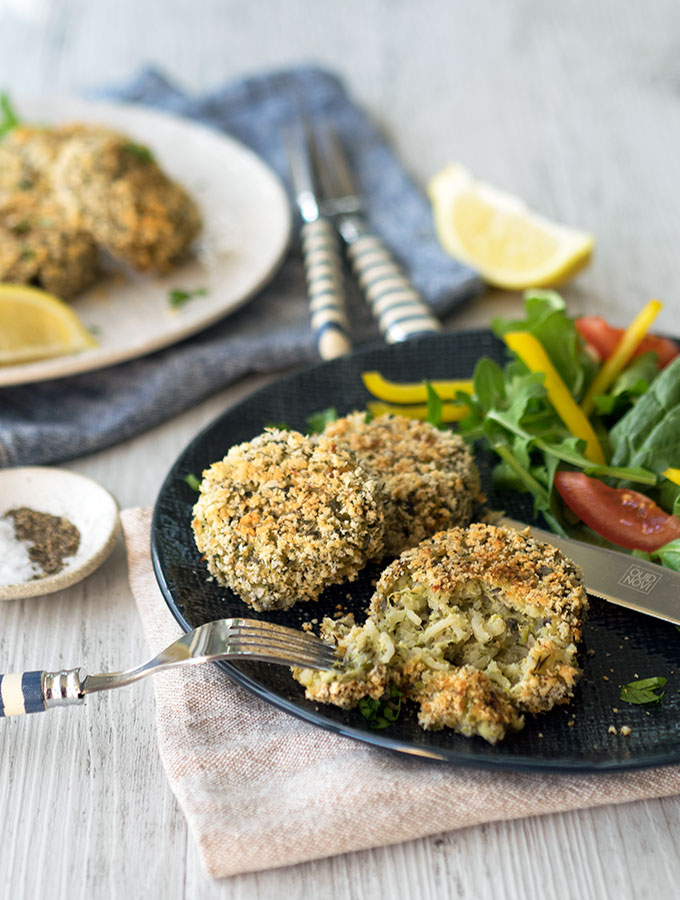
51 539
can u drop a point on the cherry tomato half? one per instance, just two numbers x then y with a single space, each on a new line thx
604 338
624 517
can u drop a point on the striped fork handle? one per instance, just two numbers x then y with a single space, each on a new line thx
395 303
323 268
30 692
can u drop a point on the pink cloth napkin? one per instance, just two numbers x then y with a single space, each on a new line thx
261 789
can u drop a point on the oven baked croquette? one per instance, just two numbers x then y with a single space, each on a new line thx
476 625
67 191
282 517
112 188
429 476
34 249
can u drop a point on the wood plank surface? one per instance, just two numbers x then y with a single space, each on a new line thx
572 106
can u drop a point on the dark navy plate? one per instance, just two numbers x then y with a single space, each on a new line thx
618 645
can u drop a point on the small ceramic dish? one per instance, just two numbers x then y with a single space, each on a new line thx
89 506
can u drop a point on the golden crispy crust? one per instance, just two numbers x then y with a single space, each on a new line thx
281 517
34 248
111 187
535 577
429 476
476 625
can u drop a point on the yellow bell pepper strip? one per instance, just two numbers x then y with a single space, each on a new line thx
393 392
534 357
672 475
451 412
617 362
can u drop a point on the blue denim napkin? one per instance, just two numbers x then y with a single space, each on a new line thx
57 420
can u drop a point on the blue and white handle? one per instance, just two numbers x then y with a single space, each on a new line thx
30 692
323 268
396 305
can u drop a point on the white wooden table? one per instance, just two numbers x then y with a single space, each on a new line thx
575 107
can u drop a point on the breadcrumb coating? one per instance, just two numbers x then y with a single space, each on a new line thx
111 187
34 249
477 625
282 517
429 476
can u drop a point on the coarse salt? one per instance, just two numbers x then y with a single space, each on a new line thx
16 566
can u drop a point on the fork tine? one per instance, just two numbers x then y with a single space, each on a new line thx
282 643
275 654
255 627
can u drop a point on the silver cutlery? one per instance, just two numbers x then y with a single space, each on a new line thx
320 251
618 578
396 305
30 692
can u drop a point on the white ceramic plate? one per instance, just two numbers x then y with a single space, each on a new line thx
88 505
247 225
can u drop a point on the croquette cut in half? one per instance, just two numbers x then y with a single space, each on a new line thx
281 517
476 625
429 477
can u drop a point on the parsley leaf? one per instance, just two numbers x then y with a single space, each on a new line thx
8 116
318 420
178 297
384 712
140 151
192 481
643 691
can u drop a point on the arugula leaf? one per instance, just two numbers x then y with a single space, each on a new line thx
668 555
648 433
384 712
318 420
632 383
434 406
643 691
546 318
8 116
178 297
280 426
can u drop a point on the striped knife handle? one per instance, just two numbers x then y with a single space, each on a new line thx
323 268
396 305
30 692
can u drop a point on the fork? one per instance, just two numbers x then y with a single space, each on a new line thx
30 692
397 307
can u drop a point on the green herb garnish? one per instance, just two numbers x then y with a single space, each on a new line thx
192 481
384 712
178 297
8 116
643 691
21 227
434 406
140 151
281 426
318 420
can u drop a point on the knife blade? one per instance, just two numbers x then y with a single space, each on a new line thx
396 305
639 585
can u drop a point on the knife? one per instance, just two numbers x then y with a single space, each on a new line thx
395 304
616 577
320 251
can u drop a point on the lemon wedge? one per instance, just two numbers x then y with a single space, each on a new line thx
37 325
509 245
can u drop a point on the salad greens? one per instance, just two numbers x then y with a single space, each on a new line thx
637 421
